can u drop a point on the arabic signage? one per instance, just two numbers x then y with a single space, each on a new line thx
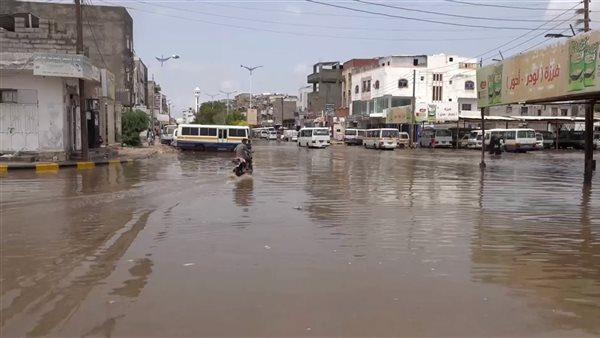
561 70
421 112
446 111
400 114
65 65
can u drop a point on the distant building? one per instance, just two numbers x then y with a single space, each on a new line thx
443 85
326 80
140 83
351 67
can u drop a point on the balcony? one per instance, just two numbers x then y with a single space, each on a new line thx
326 75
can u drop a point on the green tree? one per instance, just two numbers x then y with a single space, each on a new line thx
235 118
211 113
132 124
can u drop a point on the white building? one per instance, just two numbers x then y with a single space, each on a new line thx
444 84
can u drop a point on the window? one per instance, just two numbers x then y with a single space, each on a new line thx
369 85
388 63
8 96
415 62
377 84
564 112
526 134
451 59
554 111
403 83
237 133
422 78
185 131
465 106
437 93
194 131
356 89
510 135
524 111
508 110
437 77
539 112
469 85
364 86
450 82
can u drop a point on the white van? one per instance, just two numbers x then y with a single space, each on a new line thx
382 138
272 135
166 137
436 138
475 139
515 140
314 137
351 137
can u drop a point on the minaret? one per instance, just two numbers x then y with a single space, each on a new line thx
197 99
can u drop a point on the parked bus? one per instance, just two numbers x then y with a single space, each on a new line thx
382 138
436 138
314 137
515 140
210 137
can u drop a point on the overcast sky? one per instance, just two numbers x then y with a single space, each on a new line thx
288 37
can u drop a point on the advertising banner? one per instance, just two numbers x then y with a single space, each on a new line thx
565 69
65 65
421 112
251 117
398 114
446 111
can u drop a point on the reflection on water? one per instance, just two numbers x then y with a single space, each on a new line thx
344 241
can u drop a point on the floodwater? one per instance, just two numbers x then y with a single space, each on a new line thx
337 242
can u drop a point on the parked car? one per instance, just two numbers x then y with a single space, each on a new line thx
464 141
539 141
571 139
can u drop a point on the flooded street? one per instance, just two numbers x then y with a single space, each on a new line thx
336 242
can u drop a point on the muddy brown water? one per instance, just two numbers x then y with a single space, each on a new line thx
336 242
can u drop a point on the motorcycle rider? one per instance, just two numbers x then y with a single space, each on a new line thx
242 152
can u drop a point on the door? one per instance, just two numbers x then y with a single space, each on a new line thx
222 136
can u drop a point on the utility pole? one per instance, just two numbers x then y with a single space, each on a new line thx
282 116
586 15
414 107
227 94
82 110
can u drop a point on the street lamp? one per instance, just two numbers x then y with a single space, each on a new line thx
163 59
228 93
250 69
212 99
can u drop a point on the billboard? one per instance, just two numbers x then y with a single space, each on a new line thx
251 117
65 65
400 114
569 68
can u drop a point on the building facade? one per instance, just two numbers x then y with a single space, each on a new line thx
39 91
107 36
140 83
443 85
350 67
326 95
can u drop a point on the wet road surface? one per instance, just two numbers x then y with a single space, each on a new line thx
336 242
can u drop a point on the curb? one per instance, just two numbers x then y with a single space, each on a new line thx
54 166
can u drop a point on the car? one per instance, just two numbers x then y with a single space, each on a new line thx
539 141
403 140
549 139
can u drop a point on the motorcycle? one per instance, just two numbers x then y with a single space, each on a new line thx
242 167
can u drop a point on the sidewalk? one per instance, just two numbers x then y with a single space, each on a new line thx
125 155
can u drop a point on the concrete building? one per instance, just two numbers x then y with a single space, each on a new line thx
350 67
140 83
241 101
107 36
443 85
39 91
326 80
288 104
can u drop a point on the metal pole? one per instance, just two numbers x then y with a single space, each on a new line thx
482 164
82 110
586 15
250 107
589 142
457 132
282 117
414 104
557 134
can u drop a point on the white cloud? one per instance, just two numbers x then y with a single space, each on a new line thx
229 85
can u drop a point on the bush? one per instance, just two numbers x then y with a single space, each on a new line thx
132 124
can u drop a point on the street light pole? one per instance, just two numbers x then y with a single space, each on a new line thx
82 111
251 70
163 59
228 93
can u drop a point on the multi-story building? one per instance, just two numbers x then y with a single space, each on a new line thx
326 95
350 67
140 83
287 104
107 36
39 93
443 85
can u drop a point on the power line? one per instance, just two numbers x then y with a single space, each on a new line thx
447 14
417 19
504 6
94 35
338 37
